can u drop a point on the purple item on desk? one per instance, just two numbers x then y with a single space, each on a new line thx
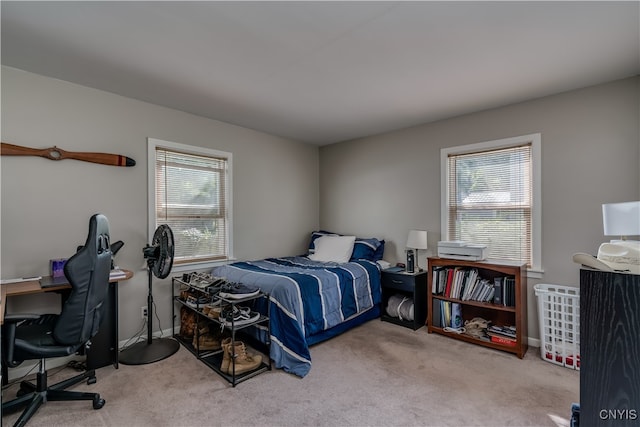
57 267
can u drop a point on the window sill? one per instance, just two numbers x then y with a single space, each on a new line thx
535 273
204 265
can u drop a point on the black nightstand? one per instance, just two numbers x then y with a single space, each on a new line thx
412 285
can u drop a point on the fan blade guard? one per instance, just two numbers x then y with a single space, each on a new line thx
163 241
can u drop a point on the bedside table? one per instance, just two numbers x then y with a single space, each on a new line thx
411 285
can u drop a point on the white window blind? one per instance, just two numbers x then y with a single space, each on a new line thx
490 200
191 197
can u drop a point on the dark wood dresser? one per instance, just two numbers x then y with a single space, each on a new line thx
609 348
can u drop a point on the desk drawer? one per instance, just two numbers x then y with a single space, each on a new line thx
402 282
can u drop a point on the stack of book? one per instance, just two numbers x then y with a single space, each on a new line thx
447 314
466 284
505 335
505 291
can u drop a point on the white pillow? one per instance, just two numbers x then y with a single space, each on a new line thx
333 248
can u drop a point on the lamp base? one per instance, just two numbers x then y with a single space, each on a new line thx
144 352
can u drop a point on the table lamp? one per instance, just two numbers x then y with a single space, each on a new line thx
417 240
621 219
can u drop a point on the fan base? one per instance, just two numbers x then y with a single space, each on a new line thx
142 352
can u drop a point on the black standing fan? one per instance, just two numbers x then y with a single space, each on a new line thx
159 256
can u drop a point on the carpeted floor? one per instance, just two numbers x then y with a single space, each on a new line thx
377 374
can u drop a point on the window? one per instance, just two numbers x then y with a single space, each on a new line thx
490 195
190 190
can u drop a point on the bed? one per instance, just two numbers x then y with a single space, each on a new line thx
313 297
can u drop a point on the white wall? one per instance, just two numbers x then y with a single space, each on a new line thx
46 205
380 186
385 185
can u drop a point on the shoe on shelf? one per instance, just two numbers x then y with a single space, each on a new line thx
206 340
214 312
238 316
240 361
185 294
238 291
194 301
226 355
216 285
201 280
208 307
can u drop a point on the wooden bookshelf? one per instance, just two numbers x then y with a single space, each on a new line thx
498 314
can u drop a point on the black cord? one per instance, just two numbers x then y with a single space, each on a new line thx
137 336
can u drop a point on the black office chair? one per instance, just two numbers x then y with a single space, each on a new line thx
28 337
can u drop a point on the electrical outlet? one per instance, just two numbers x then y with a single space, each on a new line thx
143 312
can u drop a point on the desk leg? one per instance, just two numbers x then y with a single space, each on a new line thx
114 337
104 345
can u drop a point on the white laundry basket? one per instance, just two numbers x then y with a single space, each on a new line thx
559 314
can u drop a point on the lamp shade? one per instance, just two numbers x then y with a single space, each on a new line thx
417 239
621 219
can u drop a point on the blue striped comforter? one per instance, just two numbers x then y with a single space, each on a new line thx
307 298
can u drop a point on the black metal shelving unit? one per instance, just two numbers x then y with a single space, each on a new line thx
213 358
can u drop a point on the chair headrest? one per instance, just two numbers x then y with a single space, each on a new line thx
98 238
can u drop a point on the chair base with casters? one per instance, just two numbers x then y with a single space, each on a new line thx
34 395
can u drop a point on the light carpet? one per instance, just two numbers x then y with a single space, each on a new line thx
377 374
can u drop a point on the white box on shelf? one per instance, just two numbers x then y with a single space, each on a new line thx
460 250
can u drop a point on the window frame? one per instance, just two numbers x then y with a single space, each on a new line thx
152 145
535 139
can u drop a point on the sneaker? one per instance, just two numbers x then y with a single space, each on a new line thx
215 287
196 302
238 316
201 280
238 291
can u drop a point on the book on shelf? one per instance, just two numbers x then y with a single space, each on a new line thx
505 331
446 313
502 340
509 292
447 291
435 279
470 285
456 316
497 296
436 316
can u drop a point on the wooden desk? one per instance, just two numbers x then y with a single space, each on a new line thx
25 288
104 345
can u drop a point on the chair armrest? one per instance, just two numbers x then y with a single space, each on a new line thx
19 317
9 335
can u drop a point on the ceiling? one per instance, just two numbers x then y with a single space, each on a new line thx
325 72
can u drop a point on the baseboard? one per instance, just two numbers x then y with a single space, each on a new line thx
165 333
